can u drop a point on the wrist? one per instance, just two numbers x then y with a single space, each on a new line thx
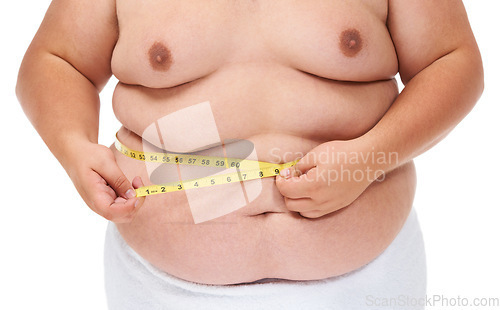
71 147
378 155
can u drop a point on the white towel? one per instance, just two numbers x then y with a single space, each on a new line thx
394 280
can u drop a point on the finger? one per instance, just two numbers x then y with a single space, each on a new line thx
117 180
322 210
106 203
306 163
297 187
122 210
301 167
123 203
314 214
122 207
300 205
136 183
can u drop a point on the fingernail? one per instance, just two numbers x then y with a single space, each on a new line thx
130 193
136 203
285 173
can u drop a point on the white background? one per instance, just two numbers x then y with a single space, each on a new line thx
52 244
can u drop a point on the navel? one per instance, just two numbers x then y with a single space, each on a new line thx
350 42
160 57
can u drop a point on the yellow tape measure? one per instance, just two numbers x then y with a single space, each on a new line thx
245 169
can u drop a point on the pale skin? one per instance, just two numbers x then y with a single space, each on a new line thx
408 127
298 57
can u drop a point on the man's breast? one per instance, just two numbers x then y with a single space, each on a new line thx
165 44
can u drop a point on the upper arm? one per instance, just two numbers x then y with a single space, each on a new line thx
425 30
83 33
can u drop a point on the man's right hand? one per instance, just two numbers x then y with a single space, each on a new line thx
101 183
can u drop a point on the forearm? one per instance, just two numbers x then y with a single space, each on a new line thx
65 67
61 103
433 102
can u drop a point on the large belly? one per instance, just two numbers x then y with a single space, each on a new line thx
262 239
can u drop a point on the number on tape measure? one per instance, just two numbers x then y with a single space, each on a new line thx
246 169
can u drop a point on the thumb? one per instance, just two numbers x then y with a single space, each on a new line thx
136 183
117 180
305 164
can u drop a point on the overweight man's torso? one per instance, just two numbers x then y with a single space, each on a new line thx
284 76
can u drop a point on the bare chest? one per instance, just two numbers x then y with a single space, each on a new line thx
166 43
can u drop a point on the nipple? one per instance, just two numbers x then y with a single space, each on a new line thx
350 42
160 57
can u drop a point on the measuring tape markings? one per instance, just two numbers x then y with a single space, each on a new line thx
245 169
